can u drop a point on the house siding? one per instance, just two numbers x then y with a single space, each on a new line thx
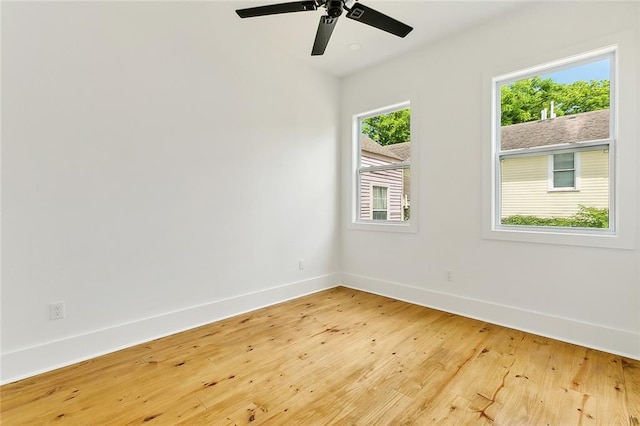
391 179
525 186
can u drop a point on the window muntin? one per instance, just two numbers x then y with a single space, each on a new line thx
383 165
540 179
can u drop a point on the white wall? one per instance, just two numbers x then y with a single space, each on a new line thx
580 294
159 170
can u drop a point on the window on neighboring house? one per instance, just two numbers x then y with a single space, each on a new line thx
382 141
553 139
564 171
379 203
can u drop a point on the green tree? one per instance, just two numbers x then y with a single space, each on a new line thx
387 129
523 100
584 96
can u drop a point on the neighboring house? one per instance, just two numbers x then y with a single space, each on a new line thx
552 183
403 150
382 193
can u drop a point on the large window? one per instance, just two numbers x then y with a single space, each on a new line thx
382 141
553 139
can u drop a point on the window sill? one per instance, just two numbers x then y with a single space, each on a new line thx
402 227
560 236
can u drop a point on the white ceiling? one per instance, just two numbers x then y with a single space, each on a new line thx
294 33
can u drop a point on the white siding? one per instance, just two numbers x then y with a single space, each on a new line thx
392 179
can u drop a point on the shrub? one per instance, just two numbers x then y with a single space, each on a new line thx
592 217
586 217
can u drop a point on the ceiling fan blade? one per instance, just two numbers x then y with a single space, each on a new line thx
325 28
366 15
274 9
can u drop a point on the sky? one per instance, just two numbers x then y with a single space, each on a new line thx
592 71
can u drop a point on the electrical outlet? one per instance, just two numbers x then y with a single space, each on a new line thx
449 275
56 310
301 264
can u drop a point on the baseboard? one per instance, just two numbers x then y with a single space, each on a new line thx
619 342
34 360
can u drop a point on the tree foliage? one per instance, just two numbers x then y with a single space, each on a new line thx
388 129
523 100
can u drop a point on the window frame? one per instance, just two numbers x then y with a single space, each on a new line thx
357 170
497 154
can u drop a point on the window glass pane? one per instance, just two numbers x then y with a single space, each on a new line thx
379 198
384 140
563 179
563 161
542 119
526 198
382 215
383 190
571 105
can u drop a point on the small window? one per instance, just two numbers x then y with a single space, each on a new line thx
564 171
380 203
383 179
555 131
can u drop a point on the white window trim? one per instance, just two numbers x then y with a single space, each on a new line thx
624 198
576 173
402 226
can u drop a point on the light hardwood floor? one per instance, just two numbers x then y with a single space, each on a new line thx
338 357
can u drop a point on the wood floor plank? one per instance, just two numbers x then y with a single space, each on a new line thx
611 390
631 374
337 357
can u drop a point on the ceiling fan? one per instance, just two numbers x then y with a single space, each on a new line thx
334 8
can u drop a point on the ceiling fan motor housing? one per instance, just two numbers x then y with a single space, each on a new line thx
334 8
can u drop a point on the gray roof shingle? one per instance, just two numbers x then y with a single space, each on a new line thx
402 150
573 128
368 145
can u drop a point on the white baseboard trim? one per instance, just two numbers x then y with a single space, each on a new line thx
38 359
619 342
28 362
